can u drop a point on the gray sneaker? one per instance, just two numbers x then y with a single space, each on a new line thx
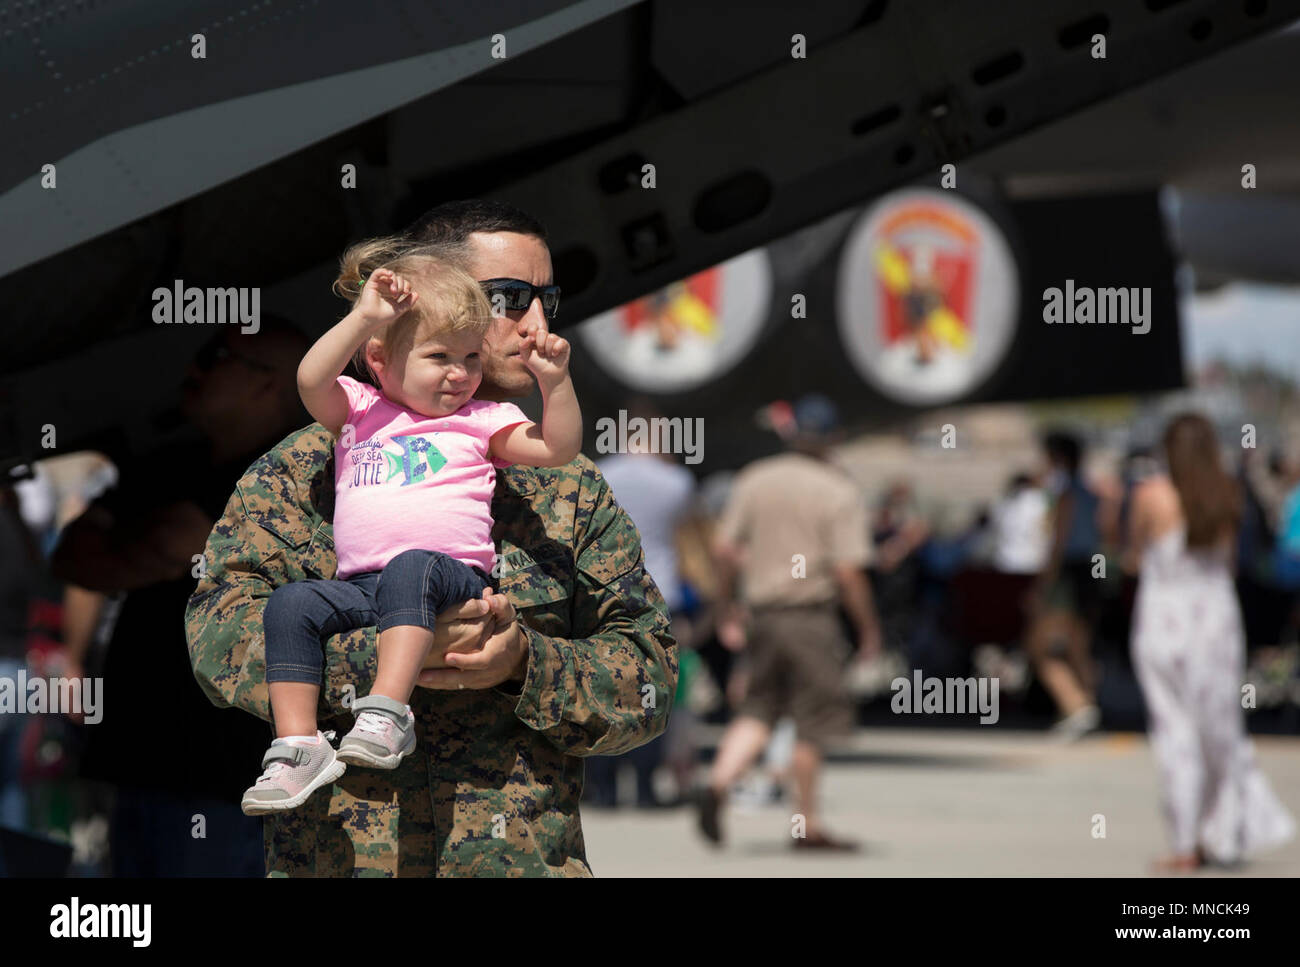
293 772
383 736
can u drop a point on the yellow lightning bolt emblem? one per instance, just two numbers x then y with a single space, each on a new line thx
896 275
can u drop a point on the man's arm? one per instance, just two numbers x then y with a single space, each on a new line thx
268 536
610 687
728 559
81 612
1061 516
727 552
223 619
855 596
850 549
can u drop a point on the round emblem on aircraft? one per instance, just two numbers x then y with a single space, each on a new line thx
688 333
927 296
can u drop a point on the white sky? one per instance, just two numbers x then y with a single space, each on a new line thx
1244 323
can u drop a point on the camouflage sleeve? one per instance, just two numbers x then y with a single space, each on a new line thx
272 533
223 619
609 688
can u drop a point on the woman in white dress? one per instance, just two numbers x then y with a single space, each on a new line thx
1189 654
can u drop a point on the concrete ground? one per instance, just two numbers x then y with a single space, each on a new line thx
968 802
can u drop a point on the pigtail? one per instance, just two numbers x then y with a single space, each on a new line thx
362 259
438 271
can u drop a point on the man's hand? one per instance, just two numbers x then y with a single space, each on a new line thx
731 628
464 628
504 655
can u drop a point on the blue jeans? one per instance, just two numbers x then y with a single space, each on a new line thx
13 798
411 590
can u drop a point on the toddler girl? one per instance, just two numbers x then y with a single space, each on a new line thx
414 479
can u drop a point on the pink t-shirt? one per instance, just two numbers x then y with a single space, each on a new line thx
413 482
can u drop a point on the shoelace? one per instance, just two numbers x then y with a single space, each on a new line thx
272 771
373 723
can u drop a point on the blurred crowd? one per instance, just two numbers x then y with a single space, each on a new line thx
1038 590
98 564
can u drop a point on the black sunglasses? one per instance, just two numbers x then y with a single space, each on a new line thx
518 294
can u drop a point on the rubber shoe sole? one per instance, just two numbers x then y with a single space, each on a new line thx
258 807
355 754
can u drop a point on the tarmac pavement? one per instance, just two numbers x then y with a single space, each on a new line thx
945 802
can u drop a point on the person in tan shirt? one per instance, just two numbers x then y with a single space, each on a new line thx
793 535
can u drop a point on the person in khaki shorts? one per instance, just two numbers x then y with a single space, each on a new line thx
794 532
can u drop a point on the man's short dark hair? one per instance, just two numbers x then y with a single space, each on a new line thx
1065 447
451 223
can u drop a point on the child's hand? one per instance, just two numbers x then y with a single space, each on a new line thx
385 298
547 358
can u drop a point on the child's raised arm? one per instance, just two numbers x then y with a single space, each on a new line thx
385 297
558 438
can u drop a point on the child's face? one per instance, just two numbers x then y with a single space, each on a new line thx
439 375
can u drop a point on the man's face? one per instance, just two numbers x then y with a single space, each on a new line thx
509 255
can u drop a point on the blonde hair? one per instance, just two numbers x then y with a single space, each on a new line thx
451 300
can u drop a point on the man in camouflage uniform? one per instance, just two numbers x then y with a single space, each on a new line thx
588 668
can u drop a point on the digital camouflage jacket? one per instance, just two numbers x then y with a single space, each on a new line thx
493 785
